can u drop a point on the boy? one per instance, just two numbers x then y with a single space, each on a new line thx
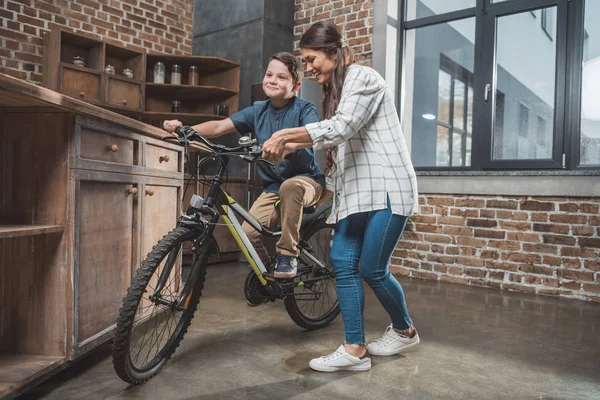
297 181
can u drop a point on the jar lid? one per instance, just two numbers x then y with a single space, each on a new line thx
193 68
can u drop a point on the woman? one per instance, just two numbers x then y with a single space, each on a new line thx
375 189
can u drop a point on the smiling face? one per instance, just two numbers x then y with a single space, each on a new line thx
319 64
278 83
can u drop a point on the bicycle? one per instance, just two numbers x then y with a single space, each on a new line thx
161 300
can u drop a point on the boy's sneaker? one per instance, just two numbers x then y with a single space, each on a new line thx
285 266
340 360
392 343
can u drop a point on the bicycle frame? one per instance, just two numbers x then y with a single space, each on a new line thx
227 208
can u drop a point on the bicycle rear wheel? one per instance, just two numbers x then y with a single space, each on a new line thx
150 328
314 305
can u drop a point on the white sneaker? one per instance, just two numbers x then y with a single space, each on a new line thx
392 343
340 360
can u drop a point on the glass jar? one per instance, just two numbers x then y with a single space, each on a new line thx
159 72
176 74
175 106
193 75
79 61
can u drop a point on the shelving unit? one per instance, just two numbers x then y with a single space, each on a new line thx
11 231
139 97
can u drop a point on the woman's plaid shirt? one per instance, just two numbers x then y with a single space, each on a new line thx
372 158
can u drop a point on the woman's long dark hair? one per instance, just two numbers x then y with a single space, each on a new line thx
325 36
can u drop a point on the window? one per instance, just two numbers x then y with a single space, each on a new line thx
547 22
507 101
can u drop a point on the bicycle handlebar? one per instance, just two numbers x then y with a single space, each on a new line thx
249 153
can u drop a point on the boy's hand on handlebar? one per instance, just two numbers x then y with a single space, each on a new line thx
171 125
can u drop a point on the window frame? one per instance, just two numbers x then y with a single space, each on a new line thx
569 17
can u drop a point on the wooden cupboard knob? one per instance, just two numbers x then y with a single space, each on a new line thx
164 158
150 192
124 102
133 191
81 94
113 148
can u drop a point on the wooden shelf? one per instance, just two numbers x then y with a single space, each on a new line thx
16 370
78 68
205 64
198 93
186 118
10 231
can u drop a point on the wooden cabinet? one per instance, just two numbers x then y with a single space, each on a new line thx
84 195
121 93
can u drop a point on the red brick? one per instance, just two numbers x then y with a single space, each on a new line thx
468 251
589 208
436 248
589 242
571 285
487 233
595 221
523 237
426 210
574 274
400 271
522 258
535 269
423 274
568 207
437 238
451 221
472 203
507 204
591 287
473 262
471 242
440 259
578 252
482 223
539 217
475 272
594 265
539 248
487 214
515 215
550 260
574 263
501 265
425 219
490 254
496 275
568 218
440 201
457 231
583 230
505 245
538 206
515 226
455 270
460 212
553 228
556 239
440 268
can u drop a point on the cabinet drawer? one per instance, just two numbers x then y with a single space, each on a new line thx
162 158
104 147
124 94
81 84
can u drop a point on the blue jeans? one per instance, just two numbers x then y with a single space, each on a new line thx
370 237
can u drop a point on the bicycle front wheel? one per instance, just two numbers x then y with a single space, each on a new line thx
151 323
314 305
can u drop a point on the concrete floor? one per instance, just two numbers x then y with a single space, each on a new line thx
475 344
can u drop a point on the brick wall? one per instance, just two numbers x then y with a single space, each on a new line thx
355 17
528 244
159 26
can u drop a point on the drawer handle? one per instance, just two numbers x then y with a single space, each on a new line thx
81 94
163 158
150 192
112 148
133 191
124 102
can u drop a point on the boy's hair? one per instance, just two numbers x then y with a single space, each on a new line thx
293 64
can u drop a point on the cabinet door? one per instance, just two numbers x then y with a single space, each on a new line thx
105 240
159 214
124 94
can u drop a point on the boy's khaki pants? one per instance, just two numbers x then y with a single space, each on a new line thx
295 194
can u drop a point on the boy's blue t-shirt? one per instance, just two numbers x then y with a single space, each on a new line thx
263 119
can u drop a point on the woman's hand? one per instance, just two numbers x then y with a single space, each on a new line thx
274 149
171 125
